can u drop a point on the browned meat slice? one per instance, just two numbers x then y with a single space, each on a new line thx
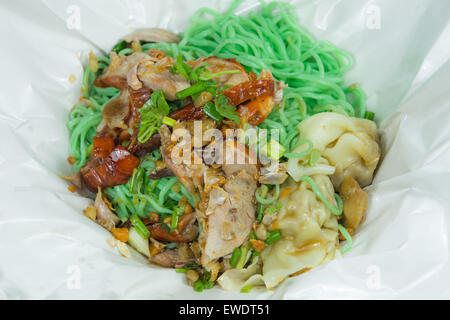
231 213
108 166
249 90
227 210
216 65
116 112
116 74
258 109
186 113
355 203
157 76
171 258
152 35
186 231
105 217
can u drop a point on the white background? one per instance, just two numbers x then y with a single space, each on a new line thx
401 51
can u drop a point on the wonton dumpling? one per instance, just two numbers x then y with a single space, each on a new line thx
310 237
309 229
349 144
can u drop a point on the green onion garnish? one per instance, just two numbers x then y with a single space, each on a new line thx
181 67
273 149
260 212
195 88
137 180
235 257
89 149
140 226
274 208
180 270
242 258
169 121
199 286
369 115
177 212
206 75
273 236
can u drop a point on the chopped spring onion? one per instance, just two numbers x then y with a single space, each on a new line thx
195 88
137 180
274 208
181 67
273 149
138 242
347 237
140 226
314 156
246 289
208 284
206 75
177 212
263 189
168 121
180 270
199 286
242 258
89 149
189 266
369 115
235 257
260 212
273 236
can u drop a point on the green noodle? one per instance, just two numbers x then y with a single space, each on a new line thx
159 195
337 211
347 237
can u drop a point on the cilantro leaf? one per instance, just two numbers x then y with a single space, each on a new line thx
225 109
152 113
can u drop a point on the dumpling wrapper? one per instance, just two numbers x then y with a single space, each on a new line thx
349 144
310 237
